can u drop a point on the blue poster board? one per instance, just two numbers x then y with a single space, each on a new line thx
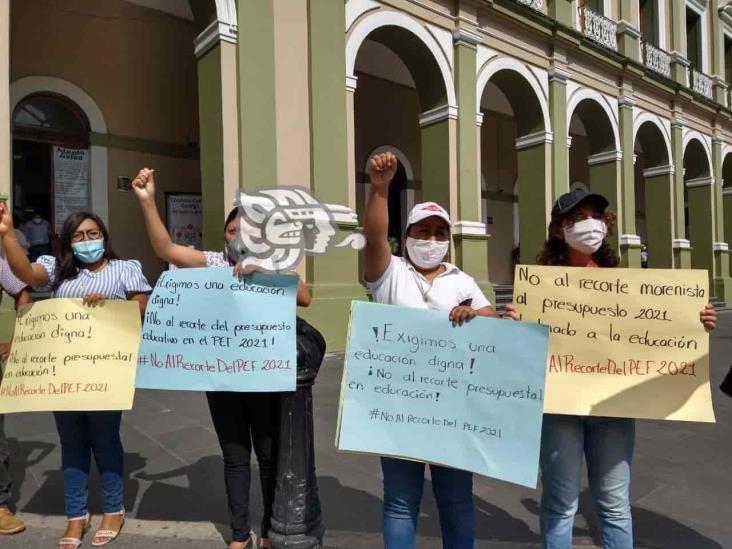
469 397
206 330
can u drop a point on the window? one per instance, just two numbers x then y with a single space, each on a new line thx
649 21
598 6
694 39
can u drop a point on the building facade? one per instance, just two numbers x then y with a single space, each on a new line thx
493 107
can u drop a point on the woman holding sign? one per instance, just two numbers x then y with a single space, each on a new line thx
241 420
419 279
580 223
86 267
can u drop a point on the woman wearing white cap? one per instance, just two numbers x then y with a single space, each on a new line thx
420 279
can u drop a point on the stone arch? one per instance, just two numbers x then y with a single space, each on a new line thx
98 155
413 43
653 126
512 73
590 105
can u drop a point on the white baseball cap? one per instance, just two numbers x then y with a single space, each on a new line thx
425 210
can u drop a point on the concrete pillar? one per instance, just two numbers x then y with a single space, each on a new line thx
605 180
659 182
630 243
215 50
558 114
721 281
681 244
679 59
469 232
629 29
534 195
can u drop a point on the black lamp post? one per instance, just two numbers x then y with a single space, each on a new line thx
296 515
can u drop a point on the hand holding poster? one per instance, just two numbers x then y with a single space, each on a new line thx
624 342
206 330
69 356
469 396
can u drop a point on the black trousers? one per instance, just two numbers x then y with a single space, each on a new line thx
243 420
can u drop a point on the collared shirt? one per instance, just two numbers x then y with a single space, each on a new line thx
401 284
116 280
9 282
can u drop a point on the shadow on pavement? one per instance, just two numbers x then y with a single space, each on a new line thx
24 454
651 530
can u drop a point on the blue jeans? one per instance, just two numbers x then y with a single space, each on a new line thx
607 444
403 483
82 433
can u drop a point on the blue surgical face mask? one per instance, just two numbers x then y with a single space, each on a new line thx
88 251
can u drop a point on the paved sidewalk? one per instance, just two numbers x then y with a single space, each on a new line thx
681 491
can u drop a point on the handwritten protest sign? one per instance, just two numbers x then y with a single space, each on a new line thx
206 330
68 356
468 397
624 342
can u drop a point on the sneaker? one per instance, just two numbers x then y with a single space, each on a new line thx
9 523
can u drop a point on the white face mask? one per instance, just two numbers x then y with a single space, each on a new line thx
586 236
426 254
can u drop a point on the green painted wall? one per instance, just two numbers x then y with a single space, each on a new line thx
701 232
436 163
532 191
560 153
658 221
210 112
256 103
604 180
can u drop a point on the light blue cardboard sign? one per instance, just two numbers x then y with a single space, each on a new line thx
469 397
206 330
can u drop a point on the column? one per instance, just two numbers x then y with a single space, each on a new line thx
701 222
256 80
629 29
535 196
558 113
562 11
719 88
721 281
659 183
630 243
215 49
605 170
334 277
681 245
679 61
469 232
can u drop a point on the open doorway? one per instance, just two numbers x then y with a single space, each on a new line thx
50 168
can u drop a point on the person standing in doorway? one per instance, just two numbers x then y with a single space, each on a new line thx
9 523
38 233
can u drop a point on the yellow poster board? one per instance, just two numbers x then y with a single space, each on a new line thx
67 356
623 342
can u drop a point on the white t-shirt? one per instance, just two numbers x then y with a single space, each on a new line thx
401 284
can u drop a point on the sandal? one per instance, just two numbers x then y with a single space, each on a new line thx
105 537
75 543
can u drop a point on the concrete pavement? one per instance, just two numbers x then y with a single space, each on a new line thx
681 490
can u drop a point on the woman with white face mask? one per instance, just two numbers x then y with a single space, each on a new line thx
85 267
420 279
577 237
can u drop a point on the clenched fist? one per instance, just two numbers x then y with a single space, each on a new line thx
383 167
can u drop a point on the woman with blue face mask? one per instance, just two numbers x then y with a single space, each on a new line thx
86 267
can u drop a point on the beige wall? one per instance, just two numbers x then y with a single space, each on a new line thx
127 227
138 65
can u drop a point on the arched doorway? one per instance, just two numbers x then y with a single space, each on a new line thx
698 200
50 166
514 145
594 157
653 194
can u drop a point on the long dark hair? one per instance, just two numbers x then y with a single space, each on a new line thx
556 250
231 217
67 266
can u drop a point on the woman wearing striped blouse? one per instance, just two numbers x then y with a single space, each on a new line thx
241 420
87 268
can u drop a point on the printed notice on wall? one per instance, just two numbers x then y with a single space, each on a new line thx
184 217
67 356
207 330
624 342
71 183
469 397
